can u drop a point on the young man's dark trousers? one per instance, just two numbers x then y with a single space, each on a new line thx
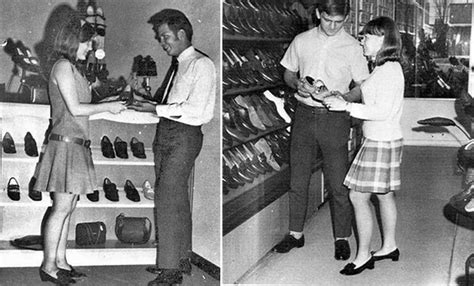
317 133
175 147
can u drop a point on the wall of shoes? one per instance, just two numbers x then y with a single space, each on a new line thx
123 160
257 106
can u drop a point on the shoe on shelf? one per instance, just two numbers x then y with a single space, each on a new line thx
138 149
394 255
288 243
33 194
342 249
107 148
94 197
8 144
13 189
131 191
120 148
110 189
350 269
148 191
30 145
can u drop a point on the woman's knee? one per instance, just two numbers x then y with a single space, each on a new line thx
358 197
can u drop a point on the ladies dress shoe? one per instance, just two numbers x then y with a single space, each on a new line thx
350 269
342 249
394 255
107 148
131 191
8 144
30 145
73 273
13 189
94 197
33 194
148 191
63 277
110 189
120 148
138 149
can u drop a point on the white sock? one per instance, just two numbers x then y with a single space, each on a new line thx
296 234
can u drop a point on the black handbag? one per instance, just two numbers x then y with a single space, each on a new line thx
90 233
132 229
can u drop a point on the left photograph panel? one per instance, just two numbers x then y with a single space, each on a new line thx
110 131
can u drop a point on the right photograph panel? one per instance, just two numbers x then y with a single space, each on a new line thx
346 131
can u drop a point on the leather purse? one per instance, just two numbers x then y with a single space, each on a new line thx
132 229
90 233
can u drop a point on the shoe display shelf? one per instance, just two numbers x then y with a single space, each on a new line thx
24 217
256 127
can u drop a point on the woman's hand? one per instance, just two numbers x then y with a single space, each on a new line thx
335 102
116 107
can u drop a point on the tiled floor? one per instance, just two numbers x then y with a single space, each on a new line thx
433 246
102 276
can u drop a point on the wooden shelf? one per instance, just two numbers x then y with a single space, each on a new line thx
113 252
236 91
227 37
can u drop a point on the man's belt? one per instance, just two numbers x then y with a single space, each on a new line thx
67 139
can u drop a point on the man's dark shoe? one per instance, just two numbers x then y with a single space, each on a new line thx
343 251
288 243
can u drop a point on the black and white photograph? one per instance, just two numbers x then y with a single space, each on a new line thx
110 117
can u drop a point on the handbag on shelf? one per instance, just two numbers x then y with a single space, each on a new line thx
90 233
132 229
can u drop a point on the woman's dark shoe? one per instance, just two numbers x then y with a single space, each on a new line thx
73 273
94 197
33 194
8 144
63 277
394 255
13 189
342 249
30 145
138 149
350 269
110 189
131 191
170 276
107 148
120 148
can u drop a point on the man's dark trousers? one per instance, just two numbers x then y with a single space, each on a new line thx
176 146
317 131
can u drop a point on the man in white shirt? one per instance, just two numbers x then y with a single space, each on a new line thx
184 103
329 55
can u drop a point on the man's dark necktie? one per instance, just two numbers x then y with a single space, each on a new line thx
161 95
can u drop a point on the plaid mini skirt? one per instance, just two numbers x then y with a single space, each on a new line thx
376 167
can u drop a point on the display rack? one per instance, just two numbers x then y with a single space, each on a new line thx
24 217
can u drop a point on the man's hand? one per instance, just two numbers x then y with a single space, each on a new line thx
143 106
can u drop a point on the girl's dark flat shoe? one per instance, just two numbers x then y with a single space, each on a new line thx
350 269
63 277
73 273
394 255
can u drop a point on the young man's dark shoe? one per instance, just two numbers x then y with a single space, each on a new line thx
342 249
288 243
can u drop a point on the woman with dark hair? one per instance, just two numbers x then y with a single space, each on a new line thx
376 167
66 168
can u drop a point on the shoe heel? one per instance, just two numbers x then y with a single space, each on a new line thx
395 258
371 264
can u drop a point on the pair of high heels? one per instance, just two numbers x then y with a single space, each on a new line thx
350 269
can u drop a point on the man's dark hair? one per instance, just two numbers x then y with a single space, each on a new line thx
335 7
175 19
